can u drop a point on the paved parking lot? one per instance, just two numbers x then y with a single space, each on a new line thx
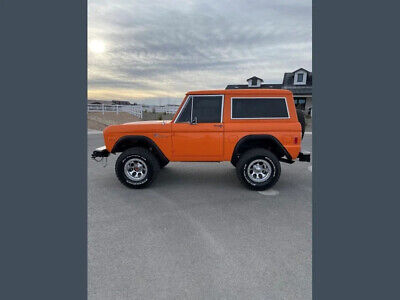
197 233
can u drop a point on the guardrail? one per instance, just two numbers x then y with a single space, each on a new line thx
136 110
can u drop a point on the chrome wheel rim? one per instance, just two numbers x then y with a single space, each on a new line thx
135 169
259 170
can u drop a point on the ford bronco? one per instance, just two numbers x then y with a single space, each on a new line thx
254 129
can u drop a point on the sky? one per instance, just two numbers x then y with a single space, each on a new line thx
153 52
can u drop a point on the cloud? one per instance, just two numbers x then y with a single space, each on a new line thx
164 48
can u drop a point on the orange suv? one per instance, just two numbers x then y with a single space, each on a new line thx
254 129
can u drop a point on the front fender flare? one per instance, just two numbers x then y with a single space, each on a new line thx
140 140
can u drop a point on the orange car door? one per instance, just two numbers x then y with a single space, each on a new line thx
197 134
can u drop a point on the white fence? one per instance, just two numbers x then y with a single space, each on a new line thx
135 110
169 109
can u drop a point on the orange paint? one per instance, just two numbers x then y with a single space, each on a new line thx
213 141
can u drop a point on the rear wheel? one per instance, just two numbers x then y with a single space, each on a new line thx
258 169
136 167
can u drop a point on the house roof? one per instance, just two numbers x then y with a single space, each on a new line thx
242 91
287 84
254 77
98 101
300 90
245 86
123 102
301 69
288 78
295 89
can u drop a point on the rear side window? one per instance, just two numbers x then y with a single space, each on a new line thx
207 109
259 108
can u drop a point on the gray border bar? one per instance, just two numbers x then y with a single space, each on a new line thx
355 146
43 149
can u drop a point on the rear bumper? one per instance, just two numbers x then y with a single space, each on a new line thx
100 152
304 156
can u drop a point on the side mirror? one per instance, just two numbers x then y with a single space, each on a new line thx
194 121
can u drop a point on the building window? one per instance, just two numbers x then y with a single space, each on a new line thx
259 108
300 77
300 103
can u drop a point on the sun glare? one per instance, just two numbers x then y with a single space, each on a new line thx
96 46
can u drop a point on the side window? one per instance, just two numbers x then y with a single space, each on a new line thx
184 117
259 108
207 109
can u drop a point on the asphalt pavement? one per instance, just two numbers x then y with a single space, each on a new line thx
197 233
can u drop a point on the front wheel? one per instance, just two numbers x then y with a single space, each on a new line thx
258 169
136 167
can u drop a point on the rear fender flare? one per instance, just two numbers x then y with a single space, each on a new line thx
262 139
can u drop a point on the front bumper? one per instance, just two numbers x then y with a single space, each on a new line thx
100 152
304 156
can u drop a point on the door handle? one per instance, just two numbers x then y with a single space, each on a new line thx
218 125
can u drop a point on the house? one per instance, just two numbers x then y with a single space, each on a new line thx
120 102
299 82
108 102
168 108
254 82
147 108
105 102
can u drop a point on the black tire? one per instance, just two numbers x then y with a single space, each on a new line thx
302 120
151 167
245 161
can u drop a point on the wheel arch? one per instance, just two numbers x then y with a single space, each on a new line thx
265 141
130 141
